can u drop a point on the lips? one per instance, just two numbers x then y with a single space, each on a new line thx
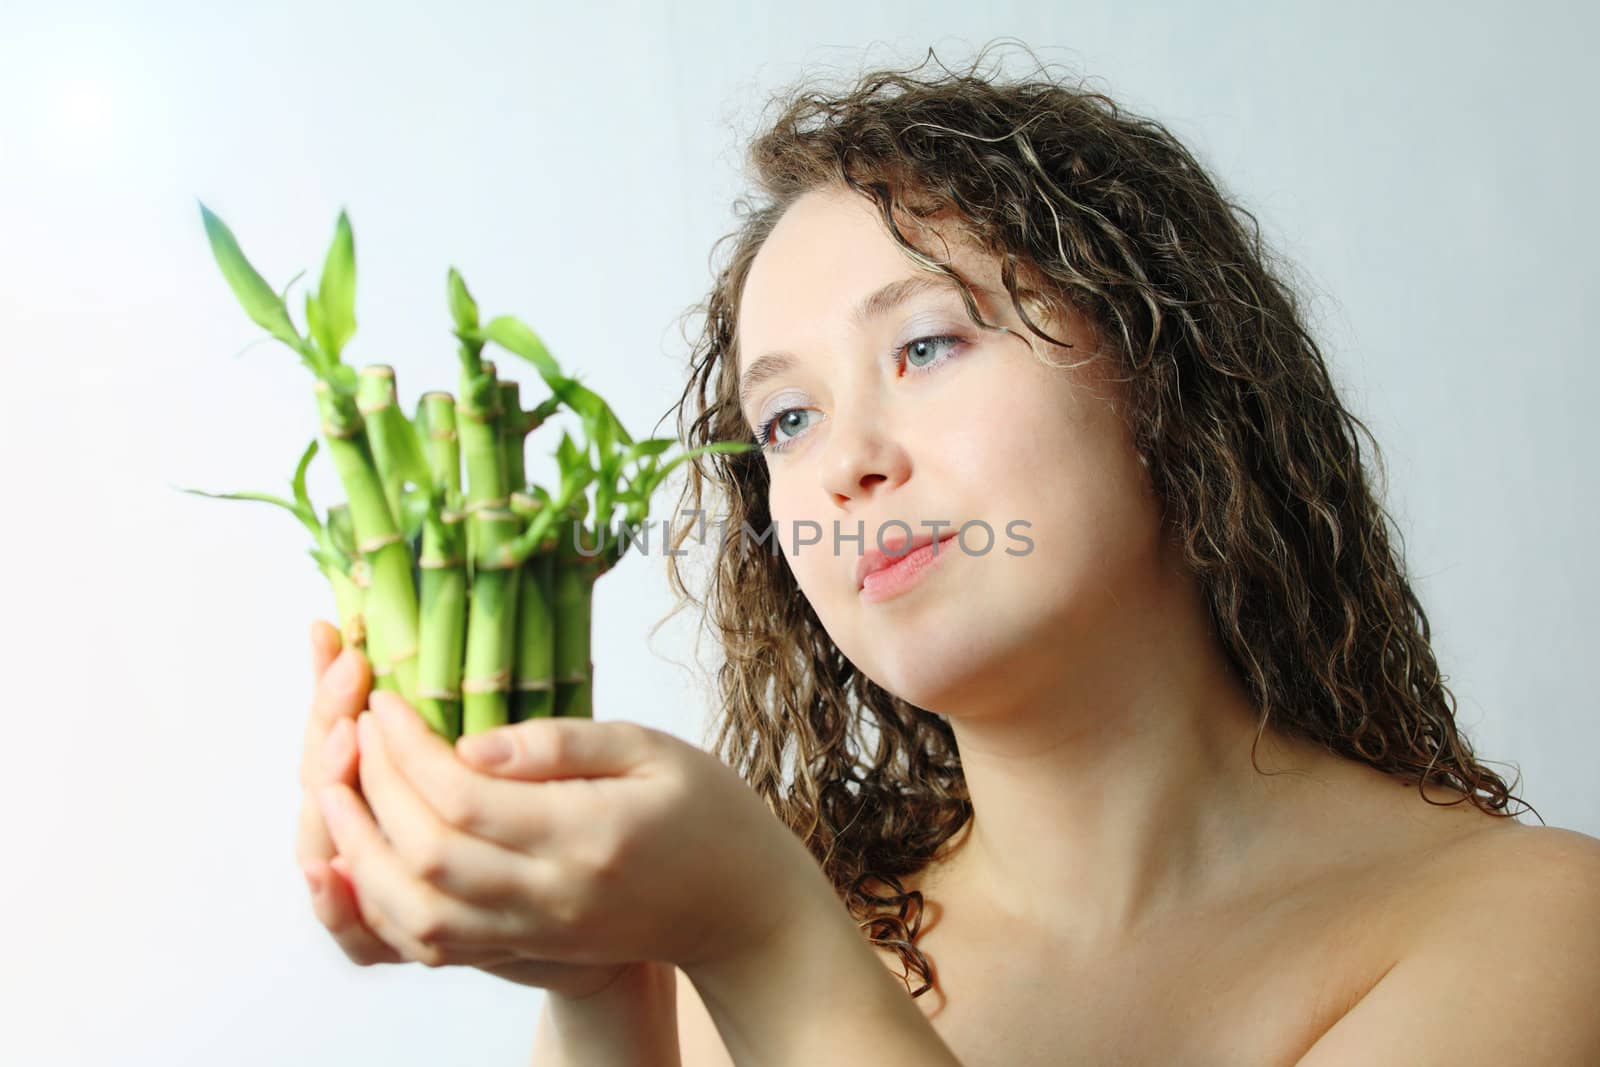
873 560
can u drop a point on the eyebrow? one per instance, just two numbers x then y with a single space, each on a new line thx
876 304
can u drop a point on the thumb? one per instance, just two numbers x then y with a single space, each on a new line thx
544 749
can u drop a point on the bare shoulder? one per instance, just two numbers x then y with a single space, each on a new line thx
1501 964
1522 876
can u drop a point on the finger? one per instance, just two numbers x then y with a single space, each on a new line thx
342 690
449 859
343 888
335 907
545 749
483 806
405 911
312 842
336 762
325 644
327 756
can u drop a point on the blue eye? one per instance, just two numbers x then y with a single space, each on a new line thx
768 439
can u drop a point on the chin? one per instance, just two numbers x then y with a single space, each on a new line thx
931 671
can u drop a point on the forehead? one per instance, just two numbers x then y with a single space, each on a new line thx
828 250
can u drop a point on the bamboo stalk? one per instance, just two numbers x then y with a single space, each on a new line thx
443 567
491 623
533 684
390 606
349 591
443 623
513 436
493 527
375 399
572 599
436 423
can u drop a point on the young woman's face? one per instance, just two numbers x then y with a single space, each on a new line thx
913 415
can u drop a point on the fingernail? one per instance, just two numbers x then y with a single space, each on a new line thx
314 881
488 749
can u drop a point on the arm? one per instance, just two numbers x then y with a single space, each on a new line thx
1506 970
630 1022
813 992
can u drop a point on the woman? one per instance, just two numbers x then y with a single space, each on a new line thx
1161 768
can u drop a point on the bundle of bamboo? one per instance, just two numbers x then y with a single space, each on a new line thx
471 597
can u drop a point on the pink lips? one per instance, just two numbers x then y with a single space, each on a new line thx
880 576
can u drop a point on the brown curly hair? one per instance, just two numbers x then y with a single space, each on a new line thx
1091 209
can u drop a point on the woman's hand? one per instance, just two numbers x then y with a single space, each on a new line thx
589 843
329 756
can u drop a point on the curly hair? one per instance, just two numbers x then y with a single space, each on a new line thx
1094 210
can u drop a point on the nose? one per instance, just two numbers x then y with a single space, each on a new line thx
862 458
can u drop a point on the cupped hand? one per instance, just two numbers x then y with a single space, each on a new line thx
342 678
330 756
588 843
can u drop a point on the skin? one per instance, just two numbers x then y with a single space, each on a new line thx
1081 671
592 844
1104 739
1131 889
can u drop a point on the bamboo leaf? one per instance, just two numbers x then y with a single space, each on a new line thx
547 407
330 560
301 498
652 447
463 308
283 295
411 461
315 326
567 454
343 378
307 519
336 292
656 477
341 530
252 291
516 337
414 511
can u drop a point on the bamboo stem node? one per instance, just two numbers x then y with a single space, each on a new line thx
498 682
372 544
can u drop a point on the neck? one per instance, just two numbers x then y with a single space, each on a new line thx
1113 783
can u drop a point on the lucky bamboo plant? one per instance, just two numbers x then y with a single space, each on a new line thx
471 595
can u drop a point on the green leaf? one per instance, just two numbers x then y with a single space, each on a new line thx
409 460
546 408
341 529
343 378
283 295
330 561
336 292
252 291
315 325
307 519
652 447
301 498
567 454
656 477
516 337
463 309
414 511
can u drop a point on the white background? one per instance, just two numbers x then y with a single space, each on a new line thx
1427 167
